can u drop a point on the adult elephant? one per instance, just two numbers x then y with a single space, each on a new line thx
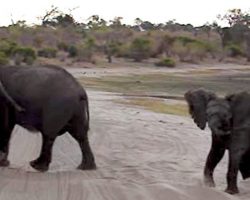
46 99
229 120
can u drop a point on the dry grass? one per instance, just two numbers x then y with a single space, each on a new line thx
166 84
157 105
201 72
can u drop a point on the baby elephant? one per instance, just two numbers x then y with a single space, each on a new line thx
45 99
229 121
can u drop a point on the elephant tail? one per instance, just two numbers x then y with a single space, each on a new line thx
85 101
9 98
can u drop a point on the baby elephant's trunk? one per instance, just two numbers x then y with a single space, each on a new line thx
219 126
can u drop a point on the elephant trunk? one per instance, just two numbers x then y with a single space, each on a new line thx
218 126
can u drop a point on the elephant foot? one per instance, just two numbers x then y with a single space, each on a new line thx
3 159
4 163
87 166
42 167
232 190
209 182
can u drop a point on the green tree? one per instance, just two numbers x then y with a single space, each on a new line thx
144 25
116 23
95 22
64 20
236 16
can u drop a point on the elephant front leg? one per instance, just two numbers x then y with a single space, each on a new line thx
215 155
232 173
43 161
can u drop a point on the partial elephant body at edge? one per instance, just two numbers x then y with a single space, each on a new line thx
46 99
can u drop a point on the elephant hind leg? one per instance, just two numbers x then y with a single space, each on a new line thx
4 147
44 159
79 132
245 166
6 127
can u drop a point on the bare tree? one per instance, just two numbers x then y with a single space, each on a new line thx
49 15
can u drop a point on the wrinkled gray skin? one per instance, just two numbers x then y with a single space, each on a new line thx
239 147
224 117
45 99
219 116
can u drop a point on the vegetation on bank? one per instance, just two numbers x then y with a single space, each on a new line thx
161 92
60 36
176 83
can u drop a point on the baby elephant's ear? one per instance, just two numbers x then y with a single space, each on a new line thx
210 96
230 97
197 102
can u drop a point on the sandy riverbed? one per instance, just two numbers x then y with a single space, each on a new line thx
140 155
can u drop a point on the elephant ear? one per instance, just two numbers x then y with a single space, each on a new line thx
230 97
236 99
197 102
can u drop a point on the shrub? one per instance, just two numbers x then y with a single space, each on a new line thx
62 46
3 59
25 51
165 45
37 41
90 43
85 50
166 62
184 40
24 54
84 53
234 50
72 50
112 48
180 50
140 49
47 52
191 50
123 50
7 47
197 50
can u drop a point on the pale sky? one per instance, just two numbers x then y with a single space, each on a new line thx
196 12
